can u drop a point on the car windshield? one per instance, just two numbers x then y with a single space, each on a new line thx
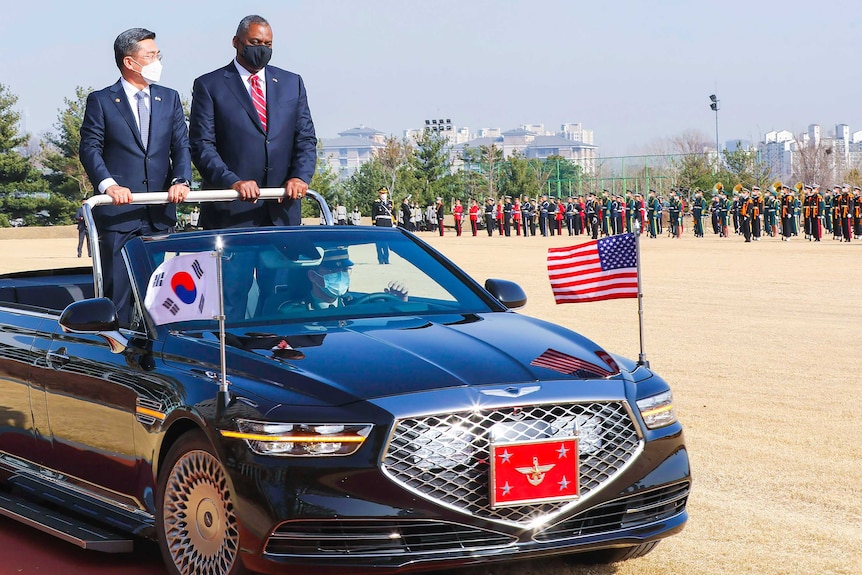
301 275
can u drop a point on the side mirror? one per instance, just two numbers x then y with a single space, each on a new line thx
508 293
96 316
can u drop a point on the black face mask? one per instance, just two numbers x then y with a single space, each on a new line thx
256 56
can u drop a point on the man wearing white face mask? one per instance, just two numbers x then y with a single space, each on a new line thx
133 139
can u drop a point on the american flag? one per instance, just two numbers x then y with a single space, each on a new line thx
568 364
597 270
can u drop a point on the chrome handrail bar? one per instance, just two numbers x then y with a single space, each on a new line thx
194 197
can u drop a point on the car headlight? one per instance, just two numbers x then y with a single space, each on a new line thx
300 439
657 410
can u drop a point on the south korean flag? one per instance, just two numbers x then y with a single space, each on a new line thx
184 288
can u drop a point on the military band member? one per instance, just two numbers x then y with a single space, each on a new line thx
756 214
788 207
845 205
827 211
744 208
837 230
724 205
857 211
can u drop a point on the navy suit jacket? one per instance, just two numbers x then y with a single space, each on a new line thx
229 144
111 147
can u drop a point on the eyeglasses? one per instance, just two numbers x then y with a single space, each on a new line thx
151 56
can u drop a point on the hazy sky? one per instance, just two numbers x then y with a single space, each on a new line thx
633 72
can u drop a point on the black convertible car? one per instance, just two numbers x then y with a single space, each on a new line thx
370 408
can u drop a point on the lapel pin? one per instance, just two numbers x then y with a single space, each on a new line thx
117 100
157 99
275 79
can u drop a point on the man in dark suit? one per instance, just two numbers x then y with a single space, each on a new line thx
133 139
251 128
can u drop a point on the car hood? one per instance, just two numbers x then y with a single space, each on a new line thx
372 358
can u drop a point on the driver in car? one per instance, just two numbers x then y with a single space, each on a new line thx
330 283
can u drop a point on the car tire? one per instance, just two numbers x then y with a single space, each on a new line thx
607 556
195 521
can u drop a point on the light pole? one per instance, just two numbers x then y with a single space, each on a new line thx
714 107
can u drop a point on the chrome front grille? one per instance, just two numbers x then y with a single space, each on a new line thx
384 538
628 512
444 457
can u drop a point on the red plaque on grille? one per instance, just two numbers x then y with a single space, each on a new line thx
533 471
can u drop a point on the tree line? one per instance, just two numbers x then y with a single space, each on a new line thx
44 184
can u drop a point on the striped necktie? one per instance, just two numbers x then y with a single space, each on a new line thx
258 99
143 117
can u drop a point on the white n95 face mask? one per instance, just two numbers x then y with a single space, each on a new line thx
152 72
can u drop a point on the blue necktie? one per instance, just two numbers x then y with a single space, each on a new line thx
143 117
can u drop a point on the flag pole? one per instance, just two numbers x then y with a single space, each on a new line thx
224 393
642 360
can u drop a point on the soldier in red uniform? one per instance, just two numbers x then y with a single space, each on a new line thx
474 216
516 217
458 214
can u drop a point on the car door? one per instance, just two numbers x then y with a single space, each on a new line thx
24 432
91 402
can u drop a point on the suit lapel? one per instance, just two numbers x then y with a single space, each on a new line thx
273 92
234 83
118 96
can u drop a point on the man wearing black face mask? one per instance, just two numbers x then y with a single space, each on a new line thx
250 128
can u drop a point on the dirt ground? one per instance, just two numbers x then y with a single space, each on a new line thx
761 345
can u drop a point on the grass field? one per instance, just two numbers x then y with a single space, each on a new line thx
762 344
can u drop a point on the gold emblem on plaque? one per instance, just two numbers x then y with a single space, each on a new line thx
535 474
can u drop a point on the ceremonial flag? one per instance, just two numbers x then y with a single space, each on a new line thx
597 270
184 288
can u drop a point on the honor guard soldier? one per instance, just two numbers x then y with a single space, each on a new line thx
827 211
571 213
516 217
527 217
593 213
441 214
653 214
698 208
507 216
630 211
641 212
542 208
489 216
381 216
474 217
673 215
724 205
458 215
808 212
